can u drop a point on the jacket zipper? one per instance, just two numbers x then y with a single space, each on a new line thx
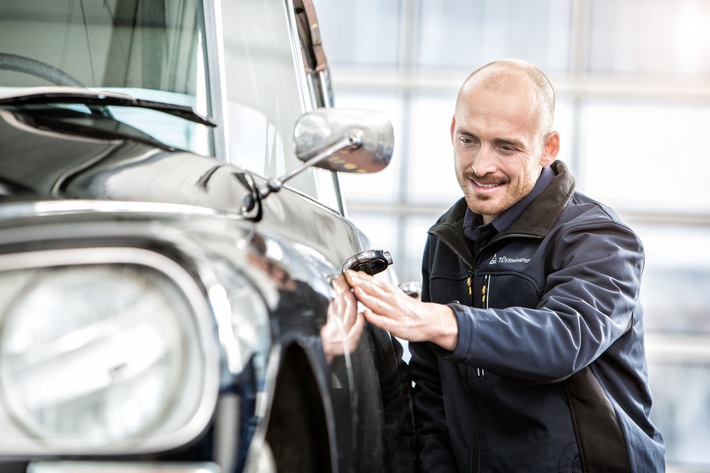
480 372
485 291
473 452
484 303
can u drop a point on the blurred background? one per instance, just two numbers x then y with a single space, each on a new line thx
633 110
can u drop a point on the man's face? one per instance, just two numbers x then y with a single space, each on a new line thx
499 149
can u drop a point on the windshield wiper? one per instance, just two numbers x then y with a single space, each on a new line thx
71 95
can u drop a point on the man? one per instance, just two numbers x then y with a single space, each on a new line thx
527 344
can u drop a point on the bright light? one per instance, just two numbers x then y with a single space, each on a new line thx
692 35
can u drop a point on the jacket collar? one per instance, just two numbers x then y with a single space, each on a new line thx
537 220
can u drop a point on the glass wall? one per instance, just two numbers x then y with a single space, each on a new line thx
633 86
457 34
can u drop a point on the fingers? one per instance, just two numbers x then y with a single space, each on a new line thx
360 278
380 321
389 308
386 306
357 278
372 292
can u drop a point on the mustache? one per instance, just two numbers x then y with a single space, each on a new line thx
485 178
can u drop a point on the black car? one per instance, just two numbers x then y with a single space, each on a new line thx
172 240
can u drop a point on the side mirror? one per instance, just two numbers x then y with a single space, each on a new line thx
368 135
343 140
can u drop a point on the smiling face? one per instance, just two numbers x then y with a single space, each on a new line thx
501 139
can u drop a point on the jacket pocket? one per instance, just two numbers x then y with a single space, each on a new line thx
502 290
569 460
445 289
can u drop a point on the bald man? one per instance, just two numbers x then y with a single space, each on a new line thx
527 345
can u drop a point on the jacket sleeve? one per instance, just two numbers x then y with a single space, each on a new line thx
590 300
433 444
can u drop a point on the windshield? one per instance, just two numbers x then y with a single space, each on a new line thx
152 50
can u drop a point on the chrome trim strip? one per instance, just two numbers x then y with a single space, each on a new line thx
669 348
306 105
57 207
226 438
216 76
116 467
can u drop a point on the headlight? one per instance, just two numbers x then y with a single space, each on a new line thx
104 349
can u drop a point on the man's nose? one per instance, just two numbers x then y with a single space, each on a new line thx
485 161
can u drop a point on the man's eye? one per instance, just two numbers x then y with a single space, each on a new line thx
466 140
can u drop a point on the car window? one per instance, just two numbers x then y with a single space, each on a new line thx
150 50
267 90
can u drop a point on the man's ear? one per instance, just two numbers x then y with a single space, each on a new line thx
453 126
550 148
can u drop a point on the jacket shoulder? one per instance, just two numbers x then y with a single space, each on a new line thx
584 208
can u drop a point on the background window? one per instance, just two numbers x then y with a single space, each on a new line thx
654 38
465 33
366 32
645 155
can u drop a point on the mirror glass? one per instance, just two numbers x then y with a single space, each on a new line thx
323 128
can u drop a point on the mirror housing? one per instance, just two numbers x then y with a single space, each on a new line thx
341 140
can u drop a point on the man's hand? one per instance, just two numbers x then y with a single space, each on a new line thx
389 308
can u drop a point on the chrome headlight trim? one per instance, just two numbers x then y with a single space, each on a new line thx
189 406
121 467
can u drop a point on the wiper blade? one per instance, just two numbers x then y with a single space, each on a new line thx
75 95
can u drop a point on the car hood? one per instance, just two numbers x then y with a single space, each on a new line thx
65 159
41 163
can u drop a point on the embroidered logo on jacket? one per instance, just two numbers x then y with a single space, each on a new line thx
507 260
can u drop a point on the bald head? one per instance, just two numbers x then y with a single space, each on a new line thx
514 74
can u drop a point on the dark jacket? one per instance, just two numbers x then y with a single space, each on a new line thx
551 376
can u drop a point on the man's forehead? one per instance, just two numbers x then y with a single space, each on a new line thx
498 108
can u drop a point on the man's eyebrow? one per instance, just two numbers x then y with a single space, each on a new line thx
460 132
513 143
